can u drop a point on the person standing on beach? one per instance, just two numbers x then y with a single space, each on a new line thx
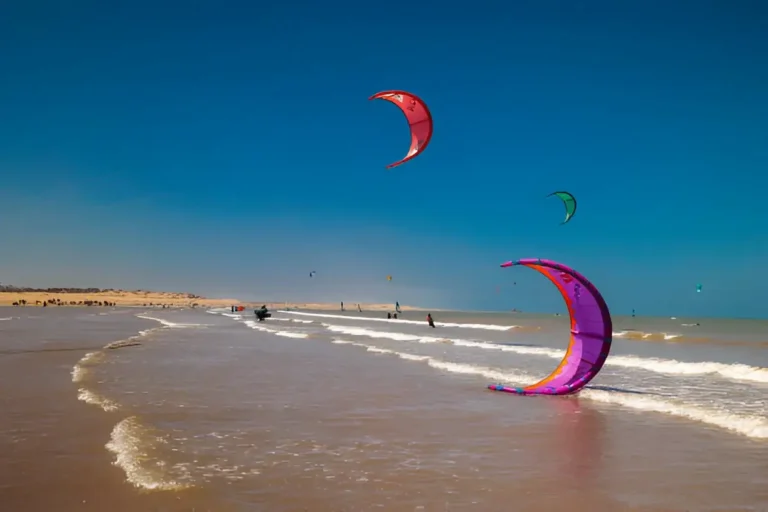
430 321
342 305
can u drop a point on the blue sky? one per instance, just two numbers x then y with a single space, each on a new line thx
228 148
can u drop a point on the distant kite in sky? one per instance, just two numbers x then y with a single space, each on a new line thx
419 120
312 274
498 288
569 201
389 278
591 331
698 288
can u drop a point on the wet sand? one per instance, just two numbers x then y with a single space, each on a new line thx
290 416
53 445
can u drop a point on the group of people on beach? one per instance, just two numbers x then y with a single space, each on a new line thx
59 302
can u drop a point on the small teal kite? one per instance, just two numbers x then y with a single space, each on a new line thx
569 201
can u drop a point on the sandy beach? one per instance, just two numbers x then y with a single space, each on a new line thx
117 297
142 298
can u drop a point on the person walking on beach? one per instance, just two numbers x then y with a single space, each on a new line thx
430 321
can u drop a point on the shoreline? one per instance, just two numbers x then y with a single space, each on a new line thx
109 298
326 306
141 298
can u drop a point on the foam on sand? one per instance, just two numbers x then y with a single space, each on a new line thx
748 425
287 334
169 324
736 372
489 327
93 398
134 446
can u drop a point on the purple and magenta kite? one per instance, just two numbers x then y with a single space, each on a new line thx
591 331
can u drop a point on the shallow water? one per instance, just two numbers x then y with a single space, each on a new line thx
315 412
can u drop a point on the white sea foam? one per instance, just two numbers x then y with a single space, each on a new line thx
169 324
81 370
92 398
488 327
748 425
666 336
132 444
287 334
295 320
735 372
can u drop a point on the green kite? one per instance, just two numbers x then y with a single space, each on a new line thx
569 201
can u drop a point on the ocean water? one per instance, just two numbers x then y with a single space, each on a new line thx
326 411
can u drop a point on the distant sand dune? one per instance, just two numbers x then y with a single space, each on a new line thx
117 297
146 298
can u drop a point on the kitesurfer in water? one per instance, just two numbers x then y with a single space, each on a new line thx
430 321
262 313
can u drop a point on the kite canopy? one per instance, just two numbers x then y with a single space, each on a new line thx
591 331
569 201
419 120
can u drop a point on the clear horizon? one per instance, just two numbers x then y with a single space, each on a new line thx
229 151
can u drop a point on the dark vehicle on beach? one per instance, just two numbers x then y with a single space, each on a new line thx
262 313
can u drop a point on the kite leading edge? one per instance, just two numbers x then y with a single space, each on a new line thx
419 120
591 331
569 201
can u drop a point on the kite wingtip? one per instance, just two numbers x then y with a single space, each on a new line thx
507 264
379 95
